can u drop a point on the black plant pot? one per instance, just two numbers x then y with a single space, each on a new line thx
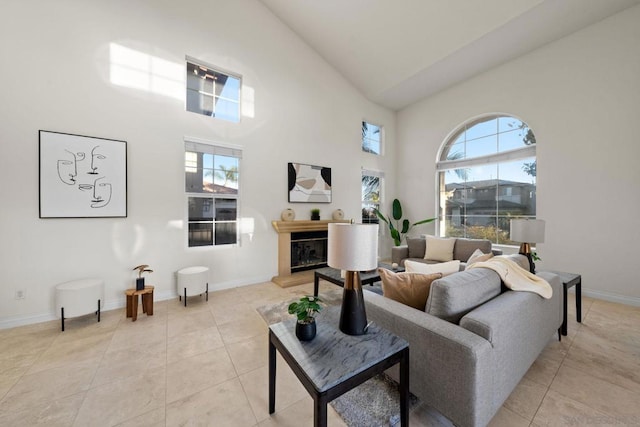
315 217
306 331
139 284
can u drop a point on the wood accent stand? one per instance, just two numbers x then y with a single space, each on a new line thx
132 302
284 229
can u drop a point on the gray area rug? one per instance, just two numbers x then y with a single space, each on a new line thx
375 403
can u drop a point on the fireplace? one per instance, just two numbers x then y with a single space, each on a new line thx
295 265
308 250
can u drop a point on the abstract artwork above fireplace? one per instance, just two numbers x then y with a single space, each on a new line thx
309 184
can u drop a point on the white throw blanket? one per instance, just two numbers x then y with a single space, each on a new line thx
515 277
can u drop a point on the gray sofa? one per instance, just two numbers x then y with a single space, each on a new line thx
415 249
474 342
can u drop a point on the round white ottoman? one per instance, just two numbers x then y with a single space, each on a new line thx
193 281
79 297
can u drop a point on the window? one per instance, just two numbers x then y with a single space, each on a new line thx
371 195
212 92
371 138
486 176
211 184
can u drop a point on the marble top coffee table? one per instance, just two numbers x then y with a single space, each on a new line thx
334 363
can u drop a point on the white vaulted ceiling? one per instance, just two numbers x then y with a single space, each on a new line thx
399 51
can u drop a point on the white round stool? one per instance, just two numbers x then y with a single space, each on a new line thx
79 297
193 281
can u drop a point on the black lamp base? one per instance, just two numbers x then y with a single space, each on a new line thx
353 317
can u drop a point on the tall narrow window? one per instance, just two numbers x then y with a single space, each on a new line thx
212 176
371 138
371 195
487 175
212 92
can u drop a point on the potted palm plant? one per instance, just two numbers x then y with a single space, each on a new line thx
305 311
397 232
143 268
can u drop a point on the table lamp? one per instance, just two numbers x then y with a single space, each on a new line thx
527 232
354 248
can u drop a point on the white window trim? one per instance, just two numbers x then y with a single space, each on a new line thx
382 138
376 173
233 150
504 156
193 60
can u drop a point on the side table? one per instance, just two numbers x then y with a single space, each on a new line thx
334 363
132 302
569 280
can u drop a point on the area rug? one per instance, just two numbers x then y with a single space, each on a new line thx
376 402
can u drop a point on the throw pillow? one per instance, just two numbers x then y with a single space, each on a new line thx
416 247
439 248
479 256
410 289
445 268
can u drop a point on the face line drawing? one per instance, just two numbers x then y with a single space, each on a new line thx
97 200
95 156
72 174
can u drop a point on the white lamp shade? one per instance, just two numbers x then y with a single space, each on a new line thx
527 230
353 247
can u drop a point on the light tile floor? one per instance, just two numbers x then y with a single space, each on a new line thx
207 365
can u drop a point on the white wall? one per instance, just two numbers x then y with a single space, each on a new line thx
581 97
55 76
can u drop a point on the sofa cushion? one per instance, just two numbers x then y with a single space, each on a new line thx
417 247
439 248
411 289
463 248
519 259
451 297
445 268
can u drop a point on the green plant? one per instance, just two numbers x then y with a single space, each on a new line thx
315 211
535 257
397 232
305 309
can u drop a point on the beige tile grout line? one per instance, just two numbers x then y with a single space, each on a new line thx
166 363
86 392
584 315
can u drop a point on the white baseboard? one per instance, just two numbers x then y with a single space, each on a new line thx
14 321
610 296
118 303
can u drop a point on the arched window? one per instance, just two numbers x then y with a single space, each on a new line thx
486 176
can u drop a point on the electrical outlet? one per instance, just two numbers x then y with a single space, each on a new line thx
20 294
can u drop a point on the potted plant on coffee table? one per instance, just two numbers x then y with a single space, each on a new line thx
305 311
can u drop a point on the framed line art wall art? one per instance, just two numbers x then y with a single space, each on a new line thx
82 176
309 184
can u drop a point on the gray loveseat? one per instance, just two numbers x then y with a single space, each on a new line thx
416 247
474 342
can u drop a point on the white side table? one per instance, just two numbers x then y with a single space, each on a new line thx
193 281
79 297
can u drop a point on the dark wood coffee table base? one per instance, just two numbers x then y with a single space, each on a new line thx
332 275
